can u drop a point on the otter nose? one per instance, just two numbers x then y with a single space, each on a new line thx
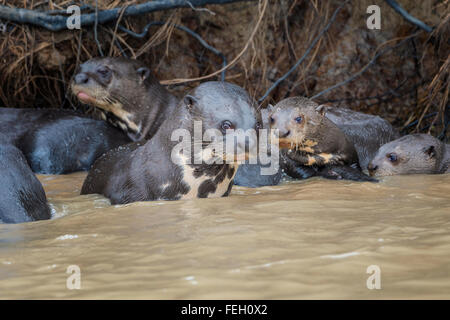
284 134
371 167
81 78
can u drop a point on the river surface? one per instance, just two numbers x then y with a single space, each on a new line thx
310 239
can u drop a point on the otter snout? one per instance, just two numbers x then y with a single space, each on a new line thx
372 168
81 78
280 133
284 133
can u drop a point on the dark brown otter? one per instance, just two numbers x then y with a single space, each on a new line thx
411 154
126 92
367 132
157 170
22 198
253 175
118 99
311 144
56 141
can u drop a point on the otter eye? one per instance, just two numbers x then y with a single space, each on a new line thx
272 120
392 157
299 119
226 125
103 71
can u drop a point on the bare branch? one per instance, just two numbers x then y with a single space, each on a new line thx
59 22
364 69
299 61
394 4
185 29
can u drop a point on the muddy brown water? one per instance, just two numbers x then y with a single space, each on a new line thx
308 239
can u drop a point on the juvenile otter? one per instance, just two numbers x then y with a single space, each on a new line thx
156 170
127 93
411 154
22 197
56 141
311 144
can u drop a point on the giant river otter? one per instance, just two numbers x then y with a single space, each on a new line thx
254 175
22 197
61 141
415 153
127 92
319 140
133 99
157 170
56 141
367 132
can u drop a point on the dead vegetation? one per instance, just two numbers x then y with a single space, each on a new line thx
405 74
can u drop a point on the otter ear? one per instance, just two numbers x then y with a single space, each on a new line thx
144 73
430 151
321 109
189 101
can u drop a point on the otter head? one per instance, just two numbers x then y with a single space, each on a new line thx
298 121
411 154
227 118
118 86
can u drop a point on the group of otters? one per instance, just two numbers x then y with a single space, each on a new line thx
130 160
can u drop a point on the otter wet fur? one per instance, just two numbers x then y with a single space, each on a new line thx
132 99
56 141
311 144
152 170
22 198
411 154
367 132
251 175
127 94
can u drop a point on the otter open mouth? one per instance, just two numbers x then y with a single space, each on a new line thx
112 109
85 96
